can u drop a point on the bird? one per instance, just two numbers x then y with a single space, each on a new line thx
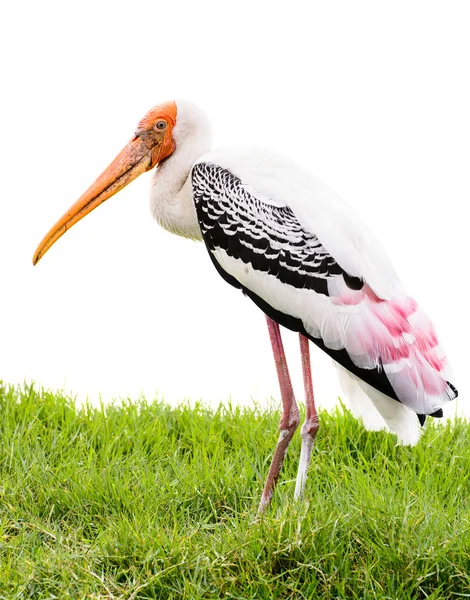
291 245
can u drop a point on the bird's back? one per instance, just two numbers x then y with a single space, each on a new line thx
306 259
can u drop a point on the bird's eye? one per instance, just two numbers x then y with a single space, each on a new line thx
161 125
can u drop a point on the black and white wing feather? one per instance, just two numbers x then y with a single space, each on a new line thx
264 236
270 249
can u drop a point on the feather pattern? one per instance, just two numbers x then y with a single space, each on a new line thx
268 237
282 256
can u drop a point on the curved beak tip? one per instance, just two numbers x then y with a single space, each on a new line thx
132 161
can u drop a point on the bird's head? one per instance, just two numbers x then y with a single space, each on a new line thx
153 141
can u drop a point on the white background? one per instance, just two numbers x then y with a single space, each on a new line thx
373 97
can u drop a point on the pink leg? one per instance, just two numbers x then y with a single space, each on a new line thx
290 414
311 424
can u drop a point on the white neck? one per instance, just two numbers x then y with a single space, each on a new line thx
171 200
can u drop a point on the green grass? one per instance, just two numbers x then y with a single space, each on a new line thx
147 501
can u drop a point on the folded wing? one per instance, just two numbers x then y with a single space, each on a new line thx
310 264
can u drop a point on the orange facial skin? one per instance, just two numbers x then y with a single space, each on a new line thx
153 141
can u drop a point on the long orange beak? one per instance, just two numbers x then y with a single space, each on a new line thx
141 154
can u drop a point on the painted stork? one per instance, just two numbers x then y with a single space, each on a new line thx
291 245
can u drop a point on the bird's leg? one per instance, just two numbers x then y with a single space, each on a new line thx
311 424
290 414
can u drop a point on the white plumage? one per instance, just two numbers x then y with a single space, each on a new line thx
379 325
376 411
303 256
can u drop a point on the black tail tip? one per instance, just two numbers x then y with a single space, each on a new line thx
438 414
452 393
454 390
